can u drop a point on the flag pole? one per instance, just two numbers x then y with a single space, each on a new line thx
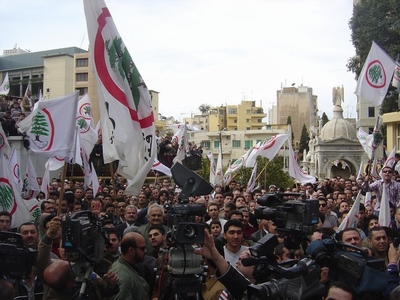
64 173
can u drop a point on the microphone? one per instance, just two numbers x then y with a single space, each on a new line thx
251 261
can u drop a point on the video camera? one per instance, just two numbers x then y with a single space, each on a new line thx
82 237
16 260
185 267
352 264
298 216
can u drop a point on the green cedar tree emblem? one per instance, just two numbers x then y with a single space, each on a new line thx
87 110
39 126
82 124
6 197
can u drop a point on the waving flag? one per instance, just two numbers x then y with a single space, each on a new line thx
252 180
396 75
237 164
390 161
4 145
5 86
10 198
350 221
84 124
269 149
161 168
294 168
31 187
212 168
13 165
218 168
360 173
375 75
181 137
384 211
127 120
55 163
45 188
52 127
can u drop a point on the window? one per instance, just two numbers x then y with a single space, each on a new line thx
216 144
205 144
248 144
247 120
232 111
81 76
248 128
236 144
82 62
248 111
82 91
371 112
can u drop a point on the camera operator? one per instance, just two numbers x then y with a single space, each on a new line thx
339 290
57 275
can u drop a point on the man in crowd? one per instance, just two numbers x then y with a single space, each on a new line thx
158 240
155 215
234 237
130 219
5 221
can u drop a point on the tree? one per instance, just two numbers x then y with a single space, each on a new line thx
204 108
304 139
379 21
324 119
39 126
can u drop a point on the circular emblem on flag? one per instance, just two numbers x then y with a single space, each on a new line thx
376 75
2 141
7 200
82 124
16 172
85 111
42 130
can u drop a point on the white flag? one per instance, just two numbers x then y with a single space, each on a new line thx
269 149
367 199
218 168
5 86
4 145
396 75
45 188
360 171
294 169
350 221
374 79
33 206
95 181
51 130
212 168
13 165
55 163
390 161
158 166
127 120
237 164
374 172
30 187
252 180
384 211
181 138
10 199
84 124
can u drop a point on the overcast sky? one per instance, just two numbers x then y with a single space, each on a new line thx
202 51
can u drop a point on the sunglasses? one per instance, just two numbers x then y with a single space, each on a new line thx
387 171
323 205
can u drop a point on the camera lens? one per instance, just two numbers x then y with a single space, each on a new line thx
190 232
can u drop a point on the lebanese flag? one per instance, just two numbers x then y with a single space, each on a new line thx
374 79
351 219
55 163
5 86
161 168
4 145
237 164
84 124
269 149
212 168
31 188
52 127
15 169
294 169
11 200
396 75
45 188
390 161
127 120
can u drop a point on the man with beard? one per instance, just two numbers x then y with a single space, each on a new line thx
131 284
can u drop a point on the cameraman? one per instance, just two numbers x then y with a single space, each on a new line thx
57 275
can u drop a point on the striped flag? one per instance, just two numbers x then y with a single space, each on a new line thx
127 120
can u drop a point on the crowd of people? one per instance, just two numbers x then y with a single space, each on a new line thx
134 261
13 112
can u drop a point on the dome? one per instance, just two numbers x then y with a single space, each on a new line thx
338 127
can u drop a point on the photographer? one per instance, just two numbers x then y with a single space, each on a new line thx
57 275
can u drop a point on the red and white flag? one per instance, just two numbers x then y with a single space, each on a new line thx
45 187
240 162
10 199
384 211
13 165
52 127
269 149
158 166
218 168
213 166
390 161
396 75
127 120
30 187
4 145
294 169
5 86
84 124
374 79
55 163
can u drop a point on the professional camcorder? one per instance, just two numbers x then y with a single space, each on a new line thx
352 265
299 216
16 260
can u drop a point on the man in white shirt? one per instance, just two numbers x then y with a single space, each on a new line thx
234 238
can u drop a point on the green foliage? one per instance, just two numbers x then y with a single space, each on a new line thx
324 119
82 124
304 139
39 125
203 108
6 197
205 169
374 20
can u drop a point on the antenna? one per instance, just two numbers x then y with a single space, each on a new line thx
83 38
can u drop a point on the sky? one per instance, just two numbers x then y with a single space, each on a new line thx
212 52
